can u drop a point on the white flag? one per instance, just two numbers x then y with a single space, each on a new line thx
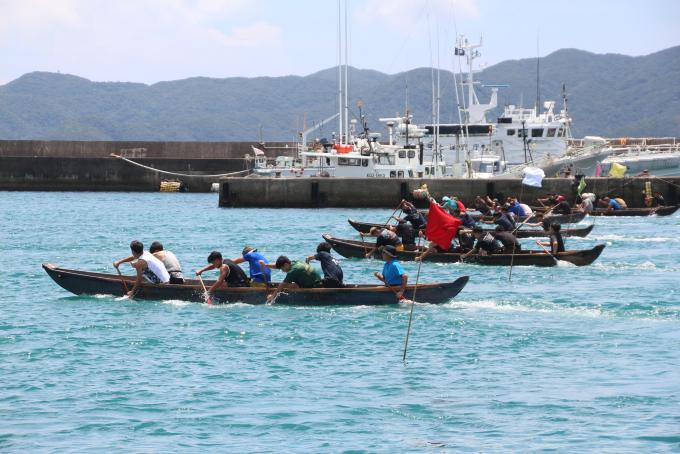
257 151
533 176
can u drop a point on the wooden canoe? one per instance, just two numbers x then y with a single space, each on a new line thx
659 211
89 283
524 232
358 249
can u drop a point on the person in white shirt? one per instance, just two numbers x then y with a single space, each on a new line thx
147 266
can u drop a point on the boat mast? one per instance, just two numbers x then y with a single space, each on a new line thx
346 79
340 124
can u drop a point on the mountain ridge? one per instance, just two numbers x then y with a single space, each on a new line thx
609 94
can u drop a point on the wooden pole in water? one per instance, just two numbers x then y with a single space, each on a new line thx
206 295
413 303
122 281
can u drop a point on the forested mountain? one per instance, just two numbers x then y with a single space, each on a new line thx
609 95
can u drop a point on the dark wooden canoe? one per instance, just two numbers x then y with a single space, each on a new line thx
358 249
659 211
561 218
89 283
365 227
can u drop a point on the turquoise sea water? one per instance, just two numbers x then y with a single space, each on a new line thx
567 359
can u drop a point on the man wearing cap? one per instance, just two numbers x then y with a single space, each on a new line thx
392 272
260 274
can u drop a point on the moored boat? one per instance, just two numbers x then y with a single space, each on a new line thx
359 249
365 227
90 283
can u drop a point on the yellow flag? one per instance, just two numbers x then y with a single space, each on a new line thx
617 170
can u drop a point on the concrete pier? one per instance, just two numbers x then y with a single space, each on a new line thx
386 193
35 165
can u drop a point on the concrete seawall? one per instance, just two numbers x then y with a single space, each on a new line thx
34 165
369 192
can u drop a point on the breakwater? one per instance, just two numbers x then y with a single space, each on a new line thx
376 193
36 165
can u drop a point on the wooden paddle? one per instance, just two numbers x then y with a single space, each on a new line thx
122 281
413 303
548 252
206 295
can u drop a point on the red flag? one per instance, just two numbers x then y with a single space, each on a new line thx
441 227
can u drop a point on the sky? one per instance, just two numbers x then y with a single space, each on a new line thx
157 40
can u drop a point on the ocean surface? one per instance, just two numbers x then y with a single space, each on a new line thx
567 359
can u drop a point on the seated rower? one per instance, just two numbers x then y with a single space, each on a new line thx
146 265
169 261
298 275
621 202
392 273
562 207
501 218
611 204
405 231
556 243
332 273
481 206
260 275
384 237
509 241
584 204
516 209
412 215
486 244
467 220
658 200
231 275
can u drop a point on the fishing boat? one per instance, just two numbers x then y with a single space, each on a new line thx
90 283
645 211
365 227
359 249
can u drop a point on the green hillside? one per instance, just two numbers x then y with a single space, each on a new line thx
609 95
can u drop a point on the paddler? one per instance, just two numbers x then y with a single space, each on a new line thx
486 244
332 273
412 215
407 233
259 275
556 243
298 275
231 275
482 206
392 273
508 240
467 220
610 204
146 265
384 237
170 262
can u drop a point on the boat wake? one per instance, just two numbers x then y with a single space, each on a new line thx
653 312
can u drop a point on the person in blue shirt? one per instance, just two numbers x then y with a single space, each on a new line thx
392 272
516 209
468 221
259 275
612 205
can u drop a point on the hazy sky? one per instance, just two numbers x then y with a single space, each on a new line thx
153 40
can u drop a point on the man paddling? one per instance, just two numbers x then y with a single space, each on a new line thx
170 262
147 266
412 215
259 275
384 237
486 244
298 275
231 275
392 273
556 243
332 273
509 241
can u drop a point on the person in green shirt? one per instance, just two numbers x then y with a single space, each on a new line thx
298 275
